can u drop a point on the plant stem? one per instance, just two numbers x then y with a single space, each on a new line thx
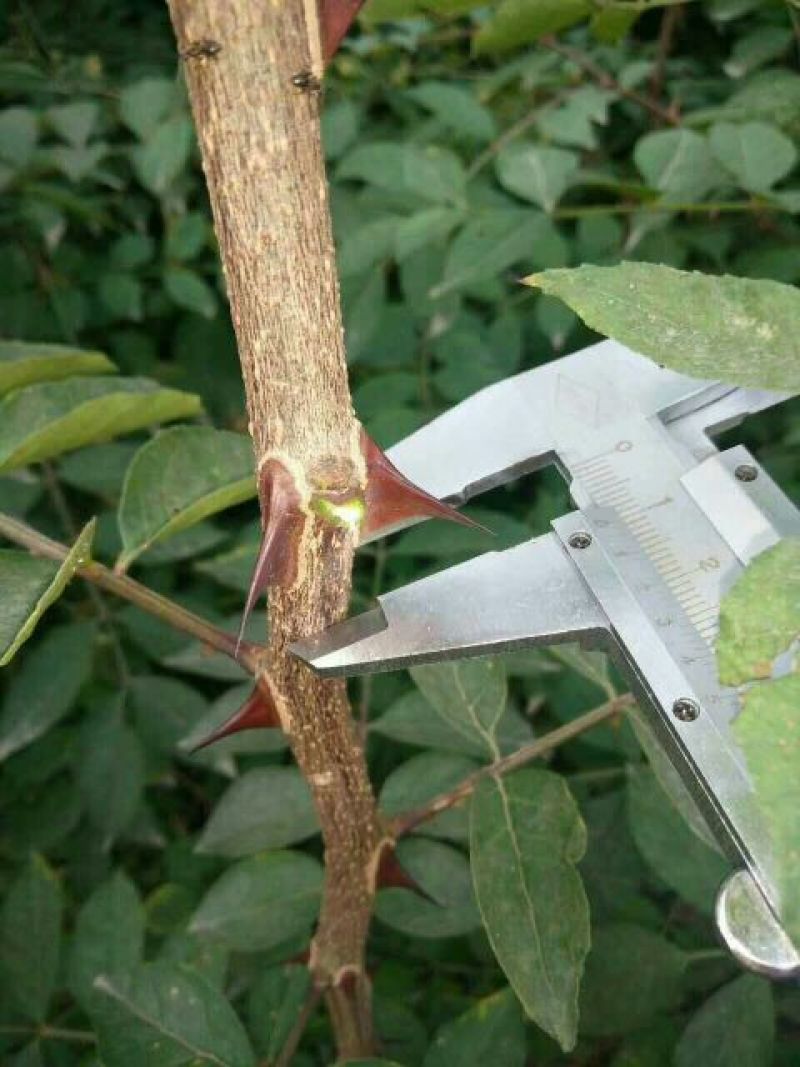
608 81
404 824
712 207
51 1033
256 108
295 1035
127 589
669 24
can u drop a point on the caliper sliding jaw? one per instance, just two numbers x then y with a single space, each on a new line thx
665 524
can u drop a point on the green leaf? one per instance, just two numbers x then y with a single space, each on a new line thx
457 109
443 873
670 847
54 417
739 330
74 122
574 121
631 975
678 163
122 295
186 236
427 171
526 837
768 730
144 104
756 154
180 477
30 586
30 938
274 1003
260 902
167 1016
188 290
499 239
45 686
23 363
734 1028
539 174
165 710
19 132
108 937
164 154
268 807
470 696
760 615
491 1031
419 780
518 22
110 770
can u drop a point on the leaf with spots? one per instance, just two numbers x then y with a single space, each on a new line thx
760 616
166 1016
738 330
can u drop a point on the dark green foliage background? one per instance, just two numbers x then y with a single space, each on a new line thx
107 243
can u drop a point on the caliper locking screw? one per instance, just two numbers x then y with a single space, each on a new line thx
746 472
580 539
685 709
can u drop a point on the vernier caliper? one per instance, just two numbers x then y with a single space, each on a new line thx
664 526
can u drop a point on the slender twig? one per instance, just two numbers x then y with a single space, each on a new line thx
608 81
669 23
101 609
295 1035
410 820
52 1033
120 585
712 207
511 133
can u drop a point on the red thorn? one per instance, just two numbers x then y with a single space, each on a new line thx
391 498
257 713
392 874
336 17
282 523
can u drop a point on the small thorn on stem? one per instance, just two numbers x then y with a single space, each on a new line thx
391 874
391 498
258 712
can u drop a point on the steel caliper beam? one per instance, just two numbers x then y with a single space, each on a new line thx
665 525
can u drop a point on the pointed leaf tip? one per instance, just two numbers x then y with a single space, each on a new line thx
259 712
283 521
391 498
391 874
336 17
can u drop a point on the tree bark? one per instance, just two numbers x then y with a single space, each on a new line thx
251 68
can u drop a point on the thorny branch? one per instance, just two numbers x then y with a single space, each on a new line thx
405 824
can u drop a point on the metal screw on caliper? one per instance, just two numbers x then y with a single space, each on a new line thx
580 539
746 472
685 709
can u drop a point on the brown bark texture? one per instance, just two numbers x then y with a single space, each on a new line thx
251 69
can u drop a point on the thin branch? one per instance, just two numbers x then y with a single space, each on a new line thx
511 133
51 1033
404 824
295 1035
666 37
712 207
608 81
127 589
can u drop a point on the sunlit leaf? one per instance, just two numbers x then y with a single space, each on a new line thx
30 586
735 329
23 363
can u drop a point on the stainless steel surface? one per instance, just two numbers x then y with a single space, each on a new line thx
750 930
664 528
528 595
